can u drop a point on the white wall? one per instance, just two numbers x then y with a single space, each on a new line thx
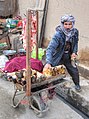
78 8
30 4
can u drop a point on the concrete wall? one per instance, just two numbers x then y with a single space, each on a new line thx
8 7
78 8
57 8
30 4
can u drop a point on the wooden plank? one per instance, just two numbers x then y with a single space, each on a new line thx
49 80
28 53
37 35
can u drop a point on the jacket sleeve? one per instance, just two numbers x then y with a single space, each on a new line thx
51 49
75 48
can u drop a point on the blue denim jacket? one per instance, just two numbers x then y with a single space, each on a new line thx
55 48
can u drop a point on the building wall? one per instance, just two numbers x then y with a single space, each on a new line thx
24 5
30 4
8 7
78 8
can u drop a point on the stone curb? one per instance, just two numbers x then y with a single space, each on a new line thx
77 99
84 71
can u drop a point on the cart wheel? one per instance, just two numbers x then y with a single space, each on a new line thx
41 114
17 98
38 105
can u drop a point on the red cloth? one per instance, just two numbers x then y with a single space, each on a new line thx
19 63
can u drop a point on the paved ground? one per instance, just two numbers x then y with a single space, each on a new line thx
58 109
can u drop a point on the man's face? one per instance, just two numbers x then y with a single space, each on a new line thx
67 25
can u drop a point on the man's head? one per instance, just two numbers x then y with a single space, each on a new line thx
67 21
68 25
67 18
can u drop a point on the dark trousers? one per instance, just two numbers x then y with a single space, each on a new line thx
73 71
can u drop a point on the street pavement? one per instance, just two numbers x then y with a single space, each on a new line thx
58 109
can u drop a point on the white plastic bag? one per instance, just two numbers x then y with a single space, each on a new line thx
3 60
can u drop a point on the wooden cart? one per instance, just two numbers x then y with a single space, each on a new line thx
36 100
33 93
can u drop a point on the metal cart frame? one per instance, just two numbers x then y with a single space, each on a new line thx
26 91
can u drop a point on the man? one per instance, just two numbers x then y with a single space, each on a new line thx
63 47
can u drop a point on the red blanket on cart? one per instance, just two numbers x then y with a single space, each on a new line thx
19 63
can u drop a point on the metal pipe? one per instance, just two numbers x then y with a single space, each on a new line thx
43 23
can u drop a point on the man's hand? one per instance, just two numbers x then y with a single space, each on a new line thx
47 66
73 56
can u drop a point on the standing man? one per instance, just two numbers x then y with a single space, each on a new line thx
63 47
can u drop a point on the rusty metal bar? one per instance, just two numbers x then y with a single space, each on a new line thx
28 53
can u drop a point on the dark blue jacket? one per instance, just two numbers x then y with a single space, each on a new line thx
55 48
